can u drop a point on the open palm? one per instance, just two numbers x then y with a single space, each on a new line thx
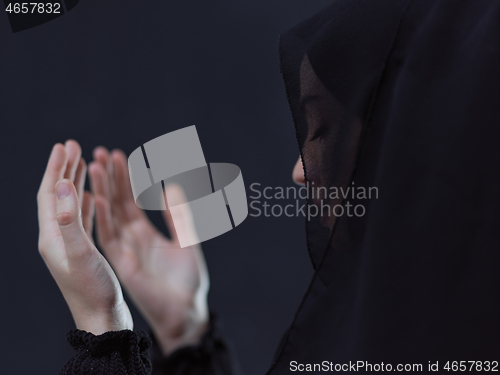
85 278
168 284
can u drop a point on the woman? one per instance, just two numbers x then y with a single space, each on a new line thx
400 95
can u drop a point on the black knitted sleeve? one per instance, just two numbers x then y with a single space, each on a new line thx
112 353
212 356
126 353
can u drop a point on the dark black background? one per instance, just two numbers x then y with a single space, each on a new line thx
119 74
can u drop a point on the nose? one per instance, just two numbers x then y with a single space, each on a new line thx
298 173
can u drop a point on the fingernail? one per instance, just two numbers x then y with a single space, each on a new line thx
62 190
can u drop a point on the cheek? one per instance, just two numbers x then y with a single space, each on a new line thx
313 157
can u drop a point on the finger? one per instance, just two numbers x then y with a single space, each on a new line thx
123 196
88 209
99 181
178 216
55 169
167 216
74 152
46 195
104 223
102 155
80 175
76 241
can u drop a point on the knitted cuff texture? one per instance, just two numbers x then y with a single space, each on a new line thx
112 353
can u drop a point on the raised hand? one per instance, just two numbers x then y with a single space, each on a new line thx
168 284
85 278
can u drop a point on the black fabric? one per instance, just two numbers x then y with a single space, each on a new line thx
116 353
126 353
212 356
405 98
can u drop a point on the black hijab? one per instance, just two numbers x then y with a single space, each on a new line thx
402 96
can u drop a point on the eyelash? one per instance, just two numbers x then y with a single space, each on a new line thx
319 133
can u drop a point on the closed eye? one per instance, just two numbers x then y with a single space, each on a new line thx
319 132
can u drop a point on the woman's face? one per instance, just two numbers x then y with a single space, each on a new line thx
329 149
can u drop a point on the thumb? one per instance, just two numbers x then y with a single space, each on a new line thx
69 219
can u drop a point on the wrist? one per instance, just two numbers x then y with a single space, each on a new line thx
96 322
189 332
